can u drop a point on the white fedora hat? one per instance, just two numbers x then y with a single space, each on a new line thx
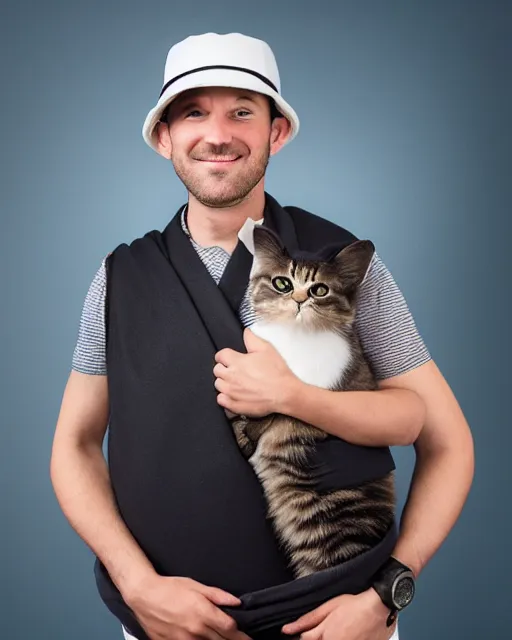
219 60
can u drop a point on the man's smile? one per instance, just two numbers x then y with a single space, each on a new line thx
217 161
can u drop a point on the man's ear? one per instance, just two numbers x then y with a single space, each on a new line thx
164 145
279 132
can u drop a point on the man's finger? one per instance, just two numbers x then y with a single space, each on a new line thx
313 634
217 596
308 620
221 385
220 622
210 634
225 626
213 634
226 356
227 402
220 370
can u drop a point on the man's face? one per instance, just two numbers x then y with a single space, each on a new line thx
220 140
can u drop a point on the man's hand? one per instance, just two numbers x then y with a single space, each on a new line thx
347 617
182 609
256 383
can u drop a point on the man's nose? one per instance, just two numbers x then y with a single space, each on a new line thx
217 131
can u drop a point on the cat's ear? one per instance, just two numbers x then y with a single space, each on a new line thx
268 249
353 262
267 242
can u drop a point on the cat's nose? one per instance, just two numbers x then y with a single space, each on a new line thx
300 296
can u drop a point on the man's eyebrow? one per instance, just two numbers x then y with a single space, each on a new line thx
186 103
247 97
190 102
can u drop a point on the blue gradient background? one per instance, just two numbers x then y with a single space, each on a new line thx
405 110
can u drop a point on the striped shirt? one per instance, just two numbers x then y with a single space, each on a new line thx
384 324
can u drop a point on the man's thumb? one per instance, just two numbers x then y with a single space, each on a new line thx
252 341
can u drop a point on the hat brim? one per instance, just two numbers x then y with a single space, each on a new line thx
216 78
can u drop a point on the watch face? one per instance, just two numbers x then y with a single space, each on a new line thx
403 591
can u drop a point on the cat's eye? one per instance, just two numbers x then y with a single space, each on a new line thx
283 285
319 290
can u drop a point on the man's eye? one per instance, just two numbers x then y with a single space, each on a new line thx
194 111
243 113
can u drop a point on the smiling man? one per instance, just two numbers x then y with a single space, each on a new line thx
218 165
220 140
176 519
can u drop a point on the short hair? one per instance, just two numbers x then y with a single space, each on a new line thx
274 111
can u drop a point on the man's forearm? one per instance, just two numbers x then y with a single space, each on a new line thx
385 417
443 472
82 485
440 486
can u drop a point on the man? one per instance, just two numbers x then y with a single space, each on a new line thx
219 118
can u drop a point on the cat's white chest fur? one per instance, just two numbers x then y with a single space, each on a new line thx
317 358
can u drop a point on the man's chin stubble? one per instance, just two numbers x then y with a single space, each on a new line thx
219 202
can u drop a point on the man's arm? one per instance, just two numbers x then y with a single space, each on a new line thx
440 485
444 448
443 471
81 480
165 606
390 416
390 342
393 346
260 382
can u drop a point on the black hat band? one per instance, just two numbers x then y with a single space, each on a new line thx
219 66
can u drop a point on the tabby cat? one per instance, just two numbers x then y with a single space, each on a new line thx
305 307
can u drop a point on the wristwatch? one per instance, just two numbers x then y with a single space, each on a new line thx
395 584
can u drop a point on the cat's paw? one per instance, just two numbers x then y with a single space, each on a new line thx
246 446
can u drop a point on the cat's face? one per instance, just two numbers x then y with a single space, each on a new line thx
317 295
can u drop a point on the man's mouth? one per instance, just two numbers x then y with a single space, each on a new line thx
223 160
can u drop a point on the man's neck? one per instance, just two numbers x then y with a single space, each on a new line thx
220 226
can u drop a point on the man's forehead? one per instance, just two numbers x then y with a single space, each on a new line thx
199 92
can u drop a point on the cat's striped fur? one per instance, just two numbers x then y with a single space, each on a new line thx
315 337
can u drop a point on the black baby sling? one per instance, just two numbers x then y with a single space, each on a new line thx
190 499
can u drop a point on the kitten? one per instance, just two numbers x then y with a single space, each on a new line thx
305 307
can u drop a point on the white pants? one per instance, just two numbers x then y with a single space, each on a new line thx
130 637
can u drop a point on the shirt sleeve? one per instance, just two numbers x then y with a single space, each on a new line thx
387 331
90 353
